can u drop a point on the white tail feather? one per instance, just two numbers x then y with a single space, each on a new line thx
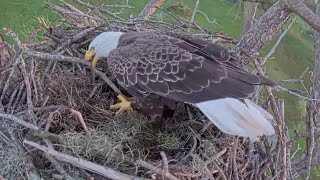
237 118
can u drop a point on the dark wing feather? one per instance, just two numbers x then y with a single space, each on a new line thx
156 63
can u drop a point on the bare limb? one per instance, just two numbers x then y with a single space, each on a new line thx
223 176
299 7
104 10
280 123
18 120
149 9
13 69
194 11
155 169
80 118
263 30
192 149
29 92
58 57
216 156
273 49
81 163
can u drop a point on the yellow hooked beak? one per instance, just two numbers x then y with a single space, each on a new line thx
90 55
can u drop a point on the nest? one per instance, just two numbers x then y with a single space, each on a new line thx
60 107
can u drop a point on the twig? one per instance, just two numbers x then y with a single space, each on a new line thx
280 122
149 9
80 118
84 164
73 39
216 156
13 68
12 97
165 164
18 120
299 79
191 150
17 97
155 169
29 91
205 127
205 168
273 49
58 57
5 139
194 11
282 89
104 10
223 176
234 159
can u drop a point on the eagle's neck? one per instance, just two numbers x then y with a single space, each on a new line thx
105 43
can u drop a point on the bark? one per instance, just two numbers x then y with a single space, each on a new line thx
249 11
271 22
316 72
301 9
264 30
150 8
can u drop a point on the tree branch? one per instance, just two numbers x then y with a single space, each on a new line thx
81 163
264 30
300 8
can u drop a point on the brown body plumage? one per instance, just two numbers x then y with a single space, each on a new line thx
180 67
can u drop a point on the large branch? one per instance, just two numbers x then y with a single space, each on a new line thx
84 164
150 8
264 30
316 72
298 7
271 22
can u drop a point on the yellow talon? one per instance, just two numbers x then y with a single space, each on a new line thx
91 55
124 105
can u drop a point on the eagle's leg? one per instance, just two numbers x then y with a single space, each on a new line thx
124 105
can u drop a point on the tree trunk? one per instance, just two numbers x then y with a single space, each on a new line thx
316 83
316 72
264 30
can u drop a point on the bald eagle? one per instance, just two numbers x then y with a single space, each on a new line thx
171 66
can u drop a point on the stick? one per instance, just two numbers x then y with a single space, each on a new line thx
192 149
216 156
280 122
80 118
13 68
58 57
104 10
223 176
273 49
194 11
19 121
29 92
149 9
155 169
84 164
165 164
